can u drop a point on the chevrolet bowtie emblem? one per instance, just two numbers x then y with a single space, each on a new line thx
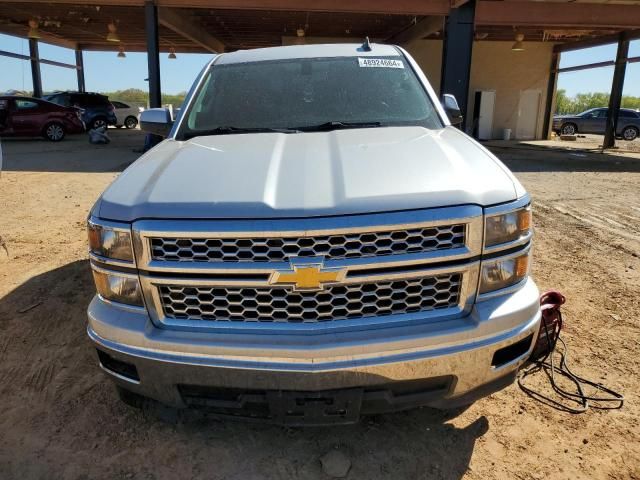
307 276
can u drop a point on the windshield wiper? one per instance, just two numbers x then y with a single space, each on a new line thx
338 125
227 130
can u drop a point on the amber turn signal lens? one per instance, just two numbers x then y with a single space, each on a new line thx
110 242
524 220
95 239
522 266
503 273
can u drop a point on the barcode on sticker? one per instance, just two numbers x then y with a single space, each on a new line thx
380 62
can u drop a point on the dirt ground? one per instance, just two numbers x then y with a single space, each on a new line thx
61 419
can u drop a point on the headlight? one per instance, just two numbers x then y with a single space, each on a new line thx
507 227
502 273
110 242
118 287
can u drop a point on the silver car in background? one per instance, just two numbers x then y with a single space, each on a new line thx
595 120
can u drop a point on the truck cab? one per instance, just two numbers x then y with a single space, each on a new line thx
312 241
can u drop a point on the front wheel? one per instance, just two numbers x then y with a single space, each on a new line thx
54 132
630 133
568 129
131 122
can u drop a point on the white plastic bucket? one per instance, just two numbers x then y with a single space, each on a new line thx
506 134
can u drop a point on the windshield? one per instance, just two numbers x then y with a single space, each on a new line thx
309 93
587 113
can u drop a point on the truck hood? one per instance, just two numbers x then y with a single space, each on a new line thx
276 175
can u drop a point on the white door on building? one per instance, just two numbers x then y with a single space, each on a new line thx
485 117
528 112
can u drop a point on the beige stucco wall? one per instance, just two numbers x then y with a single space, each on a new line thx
494 66
428 54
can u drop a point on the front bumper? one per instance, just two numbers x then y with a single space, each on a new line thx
455 359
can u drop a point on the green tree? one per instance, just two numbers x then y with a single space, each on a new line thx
141 97
563 103
585 101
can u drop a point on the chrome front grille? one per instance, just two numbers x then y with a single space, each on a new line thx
335 246
336 302
243 274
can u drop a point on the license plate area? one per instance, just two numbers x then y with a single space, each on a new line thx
315 408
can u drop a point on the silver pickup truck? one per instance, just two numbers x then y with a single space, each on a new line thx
312 241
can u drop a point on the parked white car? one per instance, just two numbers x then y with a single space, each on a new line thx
126 114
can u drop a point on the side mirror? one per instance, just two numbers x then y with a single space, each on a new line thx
156 121
450 105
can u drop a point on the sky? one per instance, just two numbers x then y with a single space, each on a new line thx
598 79
105 72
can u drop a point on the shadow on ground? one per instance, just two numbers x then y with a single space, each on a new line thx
73 154
524 157
61 417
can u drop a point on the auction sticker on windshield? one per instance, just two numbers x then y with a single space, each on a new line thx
380 62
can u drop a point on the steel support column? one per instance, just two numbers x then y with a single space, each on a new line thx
551 94
35 68
153 54
80 71
456 54
615 99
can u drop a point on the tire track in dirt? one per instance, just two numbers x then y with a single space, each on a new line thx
41 377
8 377
4 346
609 229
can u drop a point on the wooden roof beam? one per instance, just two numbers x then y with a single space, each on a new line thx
44 38
175 20
398 7
547 14
595 42
419 30
457 3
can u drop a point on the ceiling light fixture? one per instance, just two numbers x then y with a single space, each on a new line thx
518 46
112 36
33 29
121 53
172 53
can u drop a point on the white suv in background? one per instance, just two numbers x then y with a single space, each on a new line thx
126 115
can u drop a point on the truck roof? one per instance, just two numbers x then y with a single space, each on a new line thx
307 51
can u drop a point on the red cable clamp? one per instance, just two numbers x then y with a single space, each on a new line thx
550 303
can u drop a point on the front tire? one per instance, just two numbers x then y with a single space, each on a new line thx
630 133
131 122
568 129
53 131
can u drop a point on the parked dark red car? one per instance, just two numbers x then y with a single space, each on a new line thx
29 117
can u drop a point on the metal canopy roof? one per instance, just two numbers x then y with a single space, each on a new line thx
215 25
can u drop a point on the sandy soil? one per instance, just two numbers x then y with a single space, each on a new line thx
60 417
